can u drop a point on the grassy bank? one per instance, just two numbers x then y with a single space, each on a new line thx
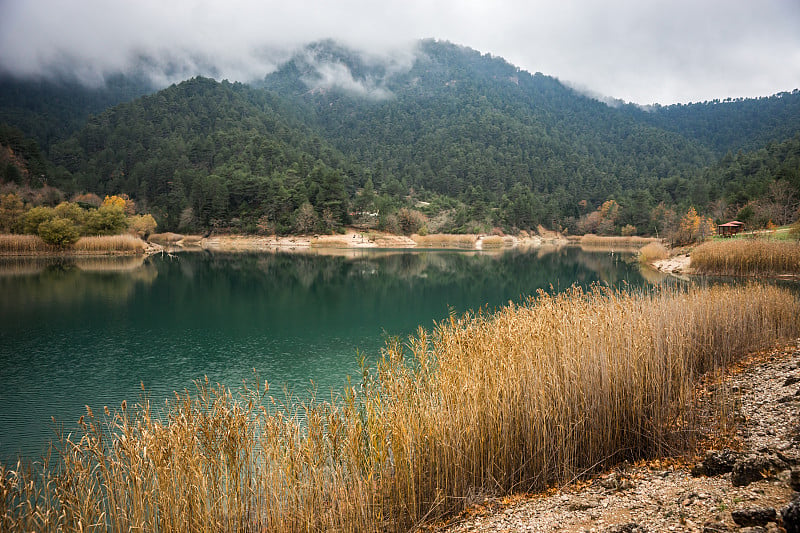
446 240
108 244
615 241
747 257
530 396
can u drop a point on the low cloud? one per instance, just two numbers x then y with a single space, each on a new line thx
660 51
338 76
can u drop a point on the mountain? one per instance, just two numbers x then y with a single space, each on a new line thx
467 138
225 150
48 110
730 125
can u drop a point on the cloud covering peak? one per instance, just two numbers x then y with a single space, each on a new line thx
661 51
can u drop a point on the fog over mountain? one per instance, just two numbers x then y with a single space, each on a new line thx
643 52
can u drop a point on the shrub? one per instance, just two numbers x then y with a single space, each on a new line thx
410 221
106 220
305 219
59 232
71 211
142 225
34 217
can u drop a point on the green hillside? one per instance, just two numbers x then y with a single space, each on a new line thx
468 139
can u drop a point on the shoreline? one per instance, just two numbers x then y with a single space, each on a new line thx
357 240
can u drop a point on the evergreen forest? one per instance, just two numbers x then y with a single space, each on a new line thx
455 140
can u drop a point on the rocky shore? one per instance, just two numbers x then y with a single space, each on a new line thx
747 481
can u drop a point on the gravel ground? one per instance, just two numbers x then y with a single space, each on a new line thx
668 495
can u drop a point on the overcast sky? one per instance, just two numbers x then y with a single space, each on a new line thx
639 50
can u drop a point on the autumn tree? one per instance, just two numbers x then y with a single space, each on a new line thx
11 210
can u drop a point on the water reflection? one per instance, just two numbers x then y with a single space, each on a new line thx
88 331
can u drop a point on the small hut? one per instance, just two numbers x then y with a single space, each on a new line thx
729 229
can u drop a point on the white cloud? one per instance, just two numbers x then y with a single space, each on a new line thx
662 51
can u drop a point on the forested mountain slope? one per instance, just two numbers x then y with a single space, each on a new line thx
730 124
467 138
459 120
50 110
225 150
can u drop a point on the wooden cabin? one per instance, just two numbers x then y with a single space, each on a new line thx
730 229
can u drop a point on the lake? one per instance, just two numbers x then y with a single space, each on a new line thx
77 332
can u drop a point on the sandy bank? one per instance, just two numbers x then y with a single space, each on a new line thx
677 265
354 239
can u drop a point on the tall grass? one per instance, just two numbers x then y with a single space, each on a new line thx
653 251
24 245
33 244
125 243
743 257
616 241
492 242
445 240
533 395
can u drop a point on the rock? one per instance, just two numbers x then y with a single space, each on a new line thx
579 504
716 463
755 468
794 480
754 516
787 399
616 482
791 516
791 380
715 527
630 527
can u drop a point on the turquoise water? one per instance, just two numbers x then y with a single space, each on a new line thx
89 331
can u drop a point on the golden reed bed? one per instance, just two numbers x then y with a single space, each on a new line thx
33 245
519 400
745 257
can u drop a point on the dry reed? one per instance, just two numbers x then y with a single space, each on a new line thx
653 251
533 395
125 243
165 238
615 241
745 257
495 241
33 245
445 240
24 245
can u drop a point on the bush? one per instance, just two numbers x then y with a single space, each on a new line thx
411 221
142 225
106 220
34 217
71 211
59 232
